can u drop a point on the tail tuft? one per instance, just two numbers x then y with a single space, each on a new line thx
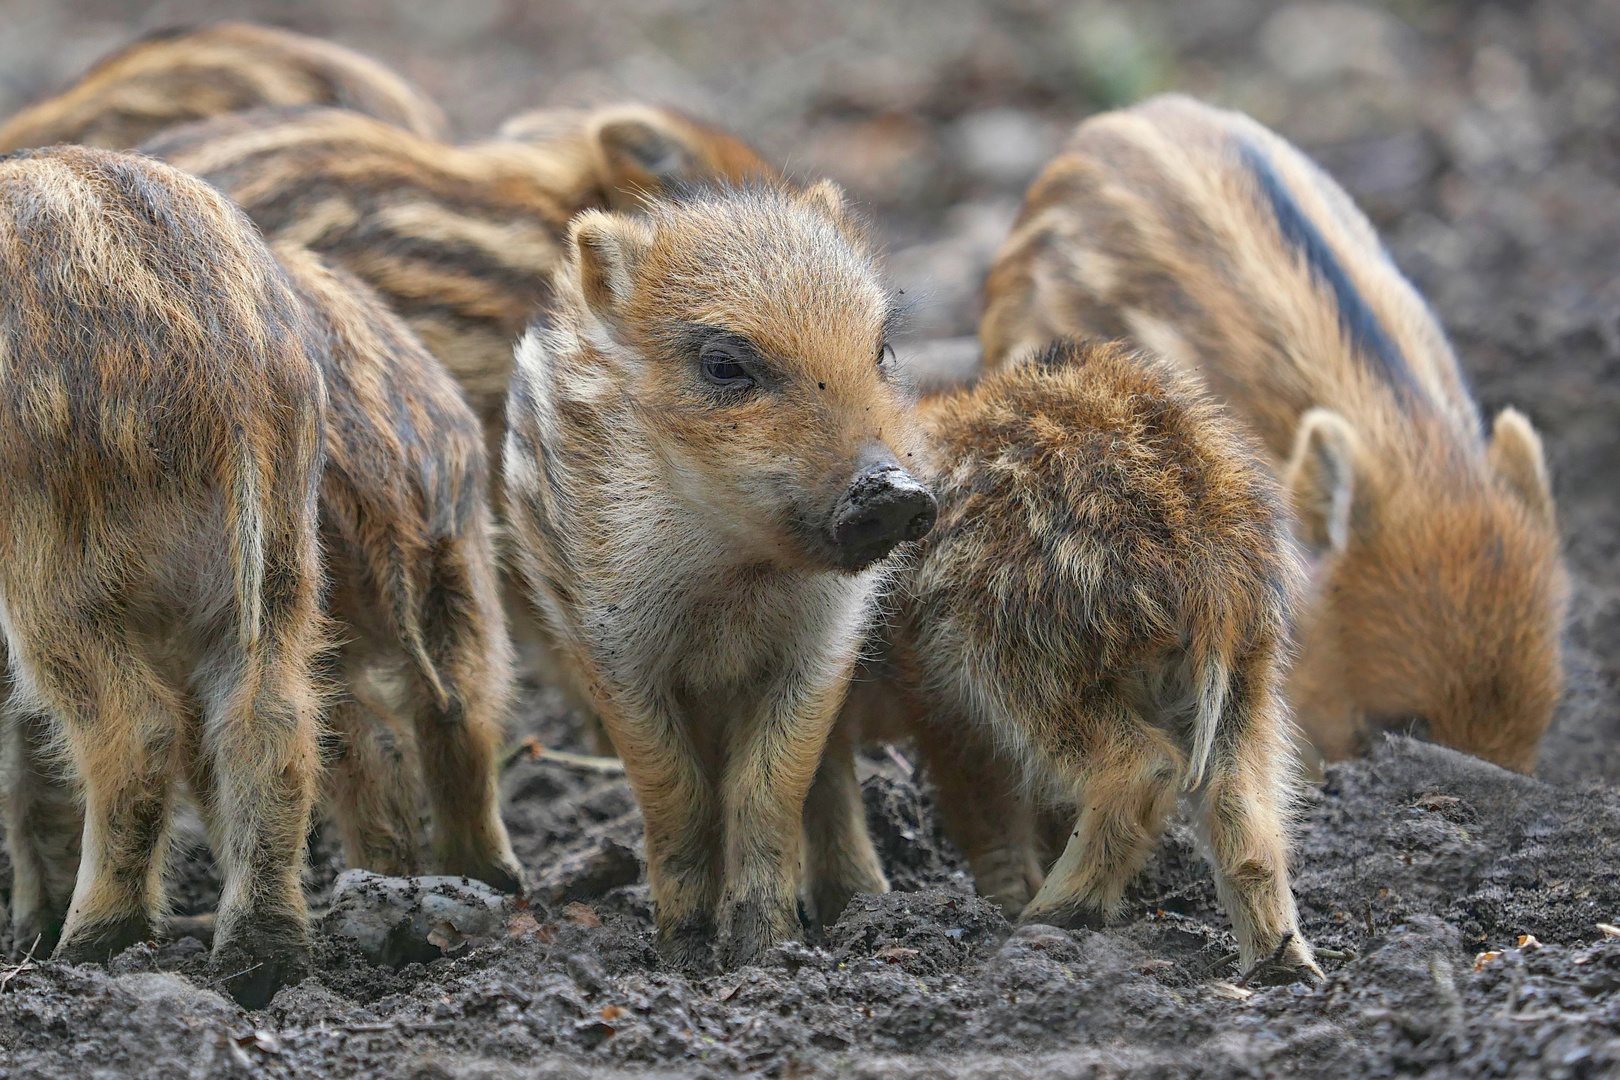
245 522
1212 684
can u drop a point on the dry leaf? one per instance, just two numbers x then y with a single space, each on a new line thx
446 937
1231 990
610 1012
1528 941
581 914
266 1041
1484 958
895 952
521 923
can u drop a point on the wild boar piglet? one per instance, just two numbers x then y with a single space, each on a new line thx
176 76
1105 602
1438 588
461 241
161 424
421 677
708 465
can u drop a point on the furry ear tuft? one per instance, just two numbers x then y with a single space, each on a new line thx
1516 454
828 196
607 249
1321 479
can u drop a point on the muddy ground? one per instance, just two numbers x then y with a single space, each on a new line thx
1461 904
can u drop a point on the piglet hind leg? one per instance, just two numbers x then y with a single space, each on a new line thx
43 824
1125 792
459 735
1244 803
256 775
125 729
840 861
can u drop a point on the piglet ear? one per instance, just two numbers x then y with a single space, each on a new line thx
1321 479
642 153
1515 453
827 196
608 249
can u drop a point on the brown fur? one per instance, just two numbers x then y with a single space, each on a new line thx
1102 611
159 570
1439 590
636 152
679 537
175 77
459 240
423 661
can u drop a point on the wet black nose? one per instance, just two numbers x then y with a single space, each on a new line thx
885 506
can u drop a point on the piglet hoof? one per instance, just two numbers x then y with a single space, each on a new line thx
99 943
258 962
752 926
253 977
1290 962
504 876
688 946
35 937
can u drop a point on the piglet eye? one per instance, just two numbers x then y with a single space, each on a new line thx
724 365
885 354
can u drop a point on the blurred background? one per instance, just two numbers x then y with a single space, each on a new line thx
1483 139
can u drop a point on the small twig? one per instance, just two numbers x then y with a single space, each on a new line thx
26 964
531 749
1270 961
1445 984
243 972
605 766
1221 963
899 759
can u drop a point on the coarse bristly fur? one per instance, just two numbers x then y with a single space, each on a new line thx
159 573
677 535
1439 590
1101 614
177 76
461 241
423 662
